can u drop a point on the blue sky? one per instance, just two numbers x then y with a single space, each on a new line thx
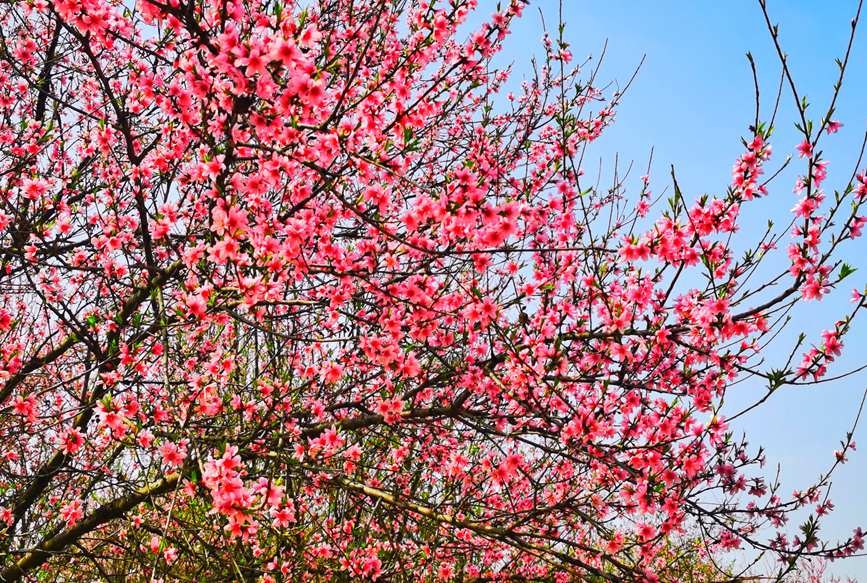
692 101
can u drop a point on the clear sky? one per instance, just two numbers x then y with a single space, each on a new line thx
692 101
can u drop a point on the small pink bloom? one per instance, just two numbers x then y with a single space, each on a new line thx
172 454
72 512
72 441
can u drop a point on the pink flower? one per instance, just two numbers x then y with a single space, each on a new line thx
254 62
646 532
635 251
390 409
232 222
286 52
805 149
833 346
172 454
34 188
72 512
197 305
332 372
114 420
145 438
614 544
813 290
283 517
72 441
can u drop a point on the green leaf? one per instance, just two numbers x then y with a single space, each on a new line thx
776 378
846 270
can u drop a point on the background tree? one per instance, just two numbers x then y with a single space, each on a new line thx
293 291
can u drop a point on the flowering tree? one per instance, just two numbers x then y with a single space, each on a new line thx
294 290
